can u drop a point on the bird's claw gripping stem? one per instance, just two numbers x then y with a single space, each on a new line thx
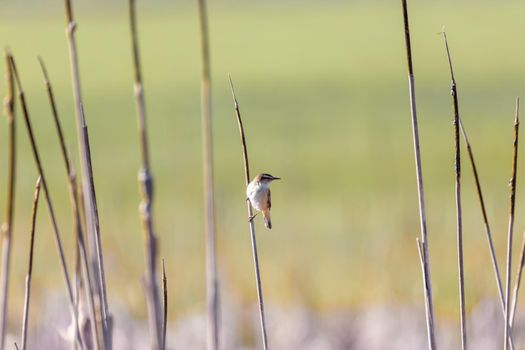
252 217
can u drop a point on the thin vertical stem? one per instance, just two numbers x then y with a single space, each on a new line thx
49 203
427 280
91 209
461 274
77 283
250 215
488 233
146 188
139 87
82 258
517 284
30 264
165 304
212 281
7 227
512 183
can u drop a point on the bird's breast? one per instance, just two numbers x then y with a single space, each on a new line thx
258 195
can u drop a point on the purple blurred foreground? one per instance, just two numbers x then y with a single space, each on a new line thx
375 328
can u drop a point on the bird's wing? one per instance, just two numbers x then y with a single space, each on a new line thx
269 200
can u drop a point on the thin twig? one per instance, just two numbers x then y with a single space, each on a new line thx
512 183
212 280
82 258
427 285
250 214
145 178
461 272
38 162
488 231
7 227
30 264
517 284
91 209
88 276
77 282
165 304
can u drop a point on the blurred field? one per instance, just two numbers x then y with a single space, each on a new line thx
322 88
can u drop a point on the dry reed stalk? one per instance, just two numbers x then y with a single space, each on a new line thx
488 231
36 155
427 281
165 304
88 186
81 264
88 277
512 183
459 223
212 279
250 215
70 174
146 184
7 227
30 263
76 293
517 284
77 282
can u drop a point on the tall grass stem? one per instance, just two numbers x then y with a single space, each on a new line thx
427 280
165 304
486 225
510 232
88 186
7 227
250 216
30 264
212 279
459 216
82 262
47 195
146 189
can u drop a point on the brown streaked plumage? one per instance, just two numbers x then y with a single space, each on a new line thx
259 194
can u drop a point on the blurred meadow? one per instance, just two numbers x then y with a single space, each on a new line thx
323 91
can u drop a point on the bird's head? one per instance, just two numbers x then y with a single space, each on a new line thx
266 178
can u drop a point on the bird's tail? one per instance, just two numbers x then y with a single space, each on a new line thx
267 219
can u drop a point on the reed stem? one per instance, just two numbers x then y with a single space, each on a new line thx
82 258
250 215
88 186
459 223
30 264
36 155
517 283
7 227
212 279
512 184
146 189
488 231
165 304
427 280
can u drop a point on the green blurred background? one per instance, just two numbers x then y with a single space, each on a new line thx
323 91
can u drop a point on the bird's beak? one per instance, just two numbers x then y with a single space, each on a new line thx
276 178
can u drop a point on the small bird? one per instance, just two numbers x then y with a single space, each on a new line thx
258 192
